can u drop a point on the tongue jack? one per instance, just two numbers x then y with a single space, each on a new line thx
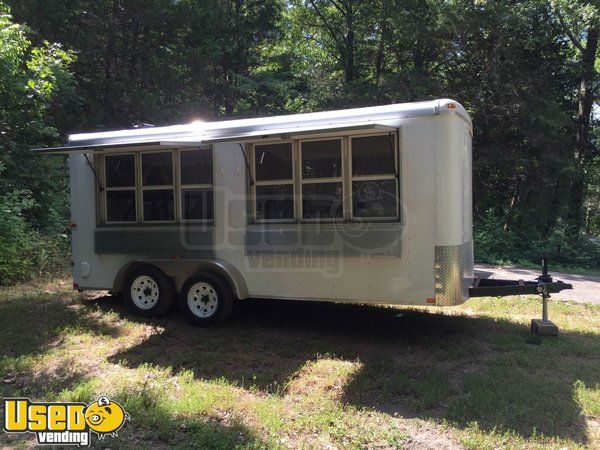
544 326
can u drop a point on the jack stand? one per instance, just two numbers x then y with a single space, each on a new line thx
544 326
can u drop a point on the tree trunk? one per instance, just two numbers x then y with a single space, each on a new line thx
349 43
381 45
582 143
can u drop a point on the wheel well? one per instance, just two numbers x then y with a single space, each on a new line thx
123 273
181 270
214 273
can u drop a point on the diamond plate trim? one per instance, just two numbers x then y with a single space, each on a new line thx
453 269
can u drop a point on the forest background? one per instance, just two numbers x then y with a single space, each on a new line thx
527 72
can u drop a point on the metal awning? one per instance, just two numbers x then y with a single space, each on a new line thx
69 149
215 136
283 133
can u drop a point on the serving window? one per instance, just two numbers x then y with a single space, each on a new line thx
120 188
374 180
274 182
196 185
157 187
158 190
323 180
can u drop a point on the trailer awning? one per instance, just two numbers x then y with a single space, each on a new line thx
285 133
90 148
216 135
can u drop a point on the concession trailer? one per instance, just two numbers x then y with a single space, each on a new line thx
367 205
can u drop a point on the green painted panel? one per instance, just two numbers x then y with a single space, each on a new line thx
167 242
356 239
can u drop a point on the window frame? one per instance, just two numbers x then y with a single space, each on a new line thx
176 187
279 182
302 181
346 179
164 187
106 189
181 186
395 176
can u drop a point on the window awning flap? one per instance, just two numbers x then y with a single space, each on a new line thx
283 133
210 138
90 148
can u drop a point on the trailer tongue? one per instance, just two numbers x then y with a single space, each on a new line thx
544 285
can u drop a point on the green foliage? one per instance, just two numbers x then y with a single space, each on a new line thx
494 244
25 252
33 194
516 67
15 244
592 202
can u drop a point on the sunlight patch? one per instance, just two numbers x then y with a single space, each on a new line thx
325 378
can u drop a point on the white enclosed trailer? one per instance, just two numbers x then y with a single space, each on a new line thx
367 205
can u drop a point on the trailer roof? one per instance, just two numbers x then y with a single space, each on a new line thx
385 117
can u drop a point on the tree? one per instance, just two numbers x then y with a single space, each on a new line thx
157 61
33 193
524 71
581 24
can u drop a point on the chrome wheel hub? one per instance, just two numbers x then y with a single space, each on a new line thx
202 299
144 292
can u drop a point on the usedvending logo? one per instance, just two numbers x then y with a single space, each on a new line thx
64 423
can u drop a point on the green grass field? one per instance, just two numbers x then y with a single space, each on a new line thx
304 375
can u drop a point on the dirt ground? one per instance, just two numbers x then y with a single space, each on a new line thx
586 288
299 375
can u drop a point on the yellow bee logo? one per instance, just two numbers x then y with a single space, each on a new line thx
105 417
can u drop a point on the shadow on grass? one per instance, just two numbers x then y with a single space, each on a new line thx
154 427
31 325
414 363
157 427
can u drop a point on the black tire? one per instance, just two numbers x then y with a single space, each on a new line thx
211 299
158 295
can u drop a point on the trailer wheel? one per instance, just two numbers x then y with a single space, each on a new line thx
148 291
206 298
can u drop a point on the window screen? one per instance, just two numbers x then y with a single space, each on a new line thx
120 206
158 191
275 202
322 201
373 155
274 182
322 186
120 171
197 198
273 162
196 166
120 188
322 159
374 181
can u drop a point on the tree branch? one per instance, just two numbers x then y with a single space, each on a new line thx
570 34
339 6
334 34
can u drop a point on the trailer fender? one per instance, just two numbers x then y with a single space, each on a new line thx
181 270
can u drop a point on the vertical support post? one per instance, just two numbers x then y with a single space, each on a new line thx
545 277
544 326
545 304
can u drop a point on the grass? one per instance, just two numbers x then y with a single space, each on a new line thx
306 375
